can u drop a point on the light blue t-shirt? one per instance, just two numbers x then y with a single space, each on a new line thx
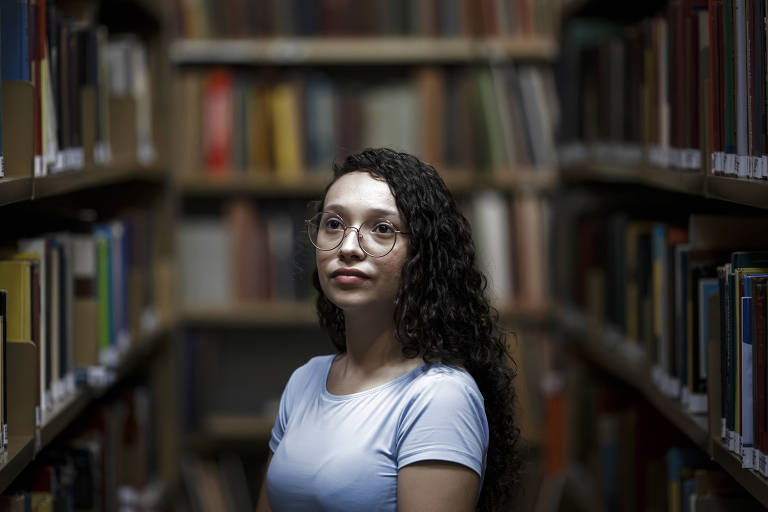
343 452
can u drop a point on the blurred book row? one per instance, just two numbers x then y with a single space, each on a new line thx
691 297
256 252
641 93
72 95
110 463
247 122
622 455
73 304
443 18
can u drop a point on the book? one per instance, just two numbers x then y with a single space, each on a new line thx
17 278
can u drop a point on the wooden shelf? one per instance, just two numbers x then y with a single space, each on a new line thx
303 313
21 451
357 50
742 191
752 481
736 190
264 185
524 314
622 359
312 184
14 190
74 180
63 414
688 182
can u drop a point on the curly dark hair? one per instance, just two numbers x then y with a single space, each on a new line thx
442 310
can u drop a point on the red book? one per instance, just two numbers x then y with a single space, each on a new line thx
218 119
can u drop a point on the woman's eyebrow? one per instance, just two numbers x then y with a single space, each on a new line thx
383 212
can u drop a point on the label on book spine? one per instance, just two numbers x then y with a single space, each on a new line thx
763 167
38 164
742 166
38 416
737 442
723 430
746 457
763 464
5 434
730 440
719 167
730 164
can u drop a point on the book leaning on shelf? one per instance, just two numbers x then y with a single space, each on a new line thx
74 97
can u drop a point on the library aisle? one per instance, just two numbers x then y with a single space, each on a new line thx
159 159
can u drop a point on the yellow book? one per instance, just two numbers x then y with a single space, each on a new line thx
15 277
258 130
41 501
286 122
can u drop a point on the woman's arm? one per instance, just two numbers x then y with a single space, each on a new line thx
437 486
263 504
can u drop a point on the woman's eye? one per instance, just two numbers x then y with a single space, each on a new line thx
333 224
383 229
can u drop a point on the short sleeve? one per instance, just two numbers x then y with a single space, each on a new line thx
281 421
445 420
294 389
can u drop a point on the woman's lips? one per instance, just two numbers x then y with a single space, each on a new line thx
348 276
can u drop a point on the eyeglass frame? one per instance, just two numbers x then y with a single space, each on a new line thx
397 231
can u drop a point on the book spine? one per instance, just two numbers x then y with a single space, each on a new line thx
747 434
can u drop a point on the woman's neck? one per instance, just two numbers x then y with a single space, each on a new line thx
371 342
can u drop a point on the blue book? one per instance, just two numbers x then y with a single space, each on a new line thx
14 40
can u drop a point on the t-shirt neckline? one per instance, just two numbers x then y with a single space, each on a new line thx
327 394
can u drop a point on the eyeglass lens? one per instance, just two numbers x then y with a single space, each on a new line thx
376 236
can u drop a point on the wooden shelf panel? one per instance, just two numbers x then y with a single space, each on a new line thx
304 314
21 451
752 481
357 50
312 184
267 185
63 415
71 181
737 190
742 191
624 361
14 190
688 182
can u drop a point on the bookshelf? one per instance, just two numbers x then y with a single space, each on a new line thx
76 141
652 161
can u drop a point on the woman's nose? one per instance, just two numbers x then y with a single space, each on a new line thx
350 246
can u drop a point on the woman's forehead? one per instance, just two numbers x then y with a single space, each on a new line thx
359 191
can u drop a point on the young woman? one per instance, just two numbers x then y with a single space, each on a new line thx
415 410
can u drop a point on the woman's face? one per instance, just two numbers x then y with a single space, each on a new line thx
349 277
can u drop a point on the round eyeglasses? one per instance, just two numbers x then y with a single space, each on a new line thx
376 237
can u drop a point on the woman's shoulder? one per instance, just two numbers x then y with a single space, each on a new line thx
316 366
445 380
